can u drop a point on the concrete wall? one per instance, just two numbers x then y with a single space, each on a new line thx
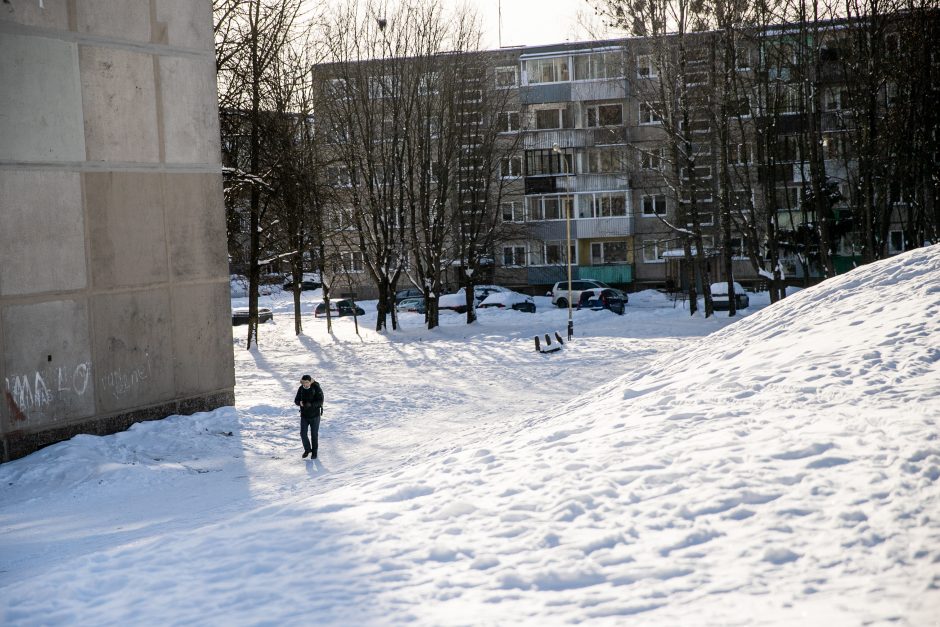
114 303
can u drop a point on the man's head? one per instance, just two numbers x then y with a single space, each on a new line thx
306 380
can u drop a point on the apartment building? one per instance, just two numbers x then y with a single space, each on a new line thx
644 169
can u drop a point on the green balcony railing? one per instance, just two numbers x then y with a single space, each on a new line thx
608 274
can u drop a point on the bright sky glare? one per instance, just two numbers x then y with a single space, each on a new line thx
533 22
528 22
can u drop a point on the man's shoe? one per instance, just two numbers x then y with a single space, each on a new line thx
305 454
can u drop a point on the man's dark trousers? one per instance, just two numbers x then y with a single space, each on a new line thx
313 422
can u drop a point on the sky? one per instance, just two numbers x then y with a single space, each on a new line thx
781 467
533 22
529 22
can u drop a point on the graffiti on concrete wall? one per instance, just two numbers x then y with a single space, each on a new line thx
39 390
124 381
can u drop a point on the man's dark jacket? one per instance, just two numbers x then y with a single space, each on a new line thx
310 400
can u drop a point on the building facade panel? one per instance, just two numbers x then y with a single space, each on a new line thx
96 332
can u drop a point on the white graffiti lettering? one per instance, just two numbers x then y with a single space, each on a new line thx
122 382
30 392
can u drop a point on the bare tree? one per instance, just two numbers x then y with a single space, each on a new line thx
251 35
673 90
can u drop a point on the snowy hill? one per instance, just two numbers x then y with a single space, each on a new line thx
782 470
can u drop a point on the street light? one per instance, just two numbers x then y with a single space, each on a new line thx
564 166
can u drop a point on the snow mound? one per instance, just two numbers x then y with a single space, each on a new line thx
792 457
784 470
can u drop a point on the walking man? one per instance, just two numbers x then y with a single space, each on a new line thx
310 400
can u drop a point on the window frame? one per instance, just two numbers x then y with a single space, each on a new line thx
655 203
603 256
504 69
653 118
649 66
596 110
515 248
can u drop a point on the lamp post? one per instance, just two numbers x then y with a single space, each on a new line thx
558 151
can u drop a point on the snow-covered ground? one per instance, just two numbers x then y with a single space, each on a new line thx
661 470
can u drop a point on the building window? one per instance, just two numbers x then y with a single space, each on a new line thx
696 126
701 172
739 107
384 86
512 212
654 205
352 261
507 76
742 58
604 115
513 255
547 119
611 205
645 67
597 66
338 176
649 113
601 160
607 253
428 84
740 154
737 248
510 167
896 242
742 200
704 211
338 88
787 198
552 70
543 162
508 122
553 207
652 251
653 159
835 99
555 253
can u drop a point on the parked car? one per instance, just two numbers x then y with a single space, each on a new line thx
603 298
339 308
458 300
720 297
508 299
240 315
410 292
559 292
416 305
310 281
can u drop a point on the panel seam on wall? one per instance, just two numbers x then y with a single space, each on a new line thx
104 42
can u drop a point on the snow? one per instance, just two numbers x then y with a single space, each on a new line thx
779 468
506 299
721 289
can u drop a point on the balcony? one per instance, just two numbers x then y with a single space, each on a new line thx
611 275
573 137
602 227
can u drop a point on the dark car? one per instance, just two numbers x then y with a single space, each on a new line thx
339 308
305 285
720 301
416 305
240 315
508 299
603 298
411 292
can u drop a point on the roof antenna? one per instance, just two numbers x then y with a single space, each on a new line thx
499 25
